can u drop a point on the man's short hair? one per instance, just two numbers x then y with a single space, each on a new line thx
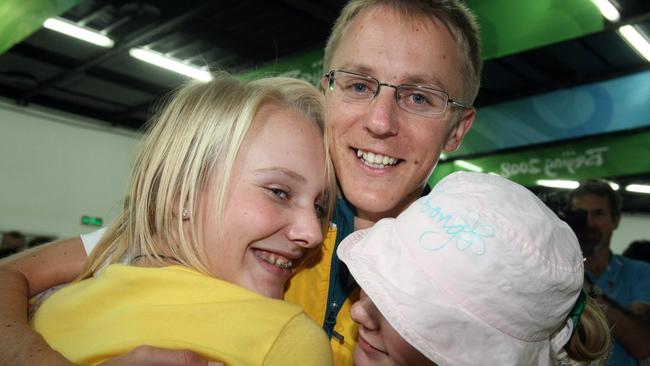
452 14
599 188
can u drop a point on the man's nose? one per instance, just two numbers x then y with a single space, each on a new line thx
382 118
591 220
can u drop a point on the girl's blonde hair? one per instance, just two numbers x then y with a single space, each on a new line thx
592 340
194 139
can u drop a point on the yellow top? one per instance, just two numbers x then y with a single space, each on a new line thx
176 307
309 289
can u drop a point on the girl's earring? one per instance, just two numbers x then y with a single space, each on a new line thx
185 214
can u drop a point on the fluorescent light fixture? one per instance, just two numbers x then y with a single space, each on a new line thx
636 40
638 188
469 166
71 29
608 10
171 64
558 183
614 186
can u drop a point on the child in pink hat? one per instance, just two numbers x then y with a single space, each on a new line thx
478 272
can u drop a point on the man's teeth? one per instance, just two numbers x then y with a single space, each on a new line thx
376 160
275 260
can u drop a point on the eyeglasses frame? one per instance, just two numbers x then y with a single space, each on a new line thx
330 80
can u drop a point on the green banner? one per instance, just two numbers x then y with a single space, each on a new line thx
511 26
307 66
20 18
507 27
602 156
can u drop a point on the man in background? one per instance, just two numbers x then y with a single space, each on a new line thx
620 284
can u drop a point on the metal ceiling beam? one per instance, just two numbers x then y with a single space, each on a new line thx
120 117
596 53
136 39
85 110
314 9
632 20
229 41
42 55
64 62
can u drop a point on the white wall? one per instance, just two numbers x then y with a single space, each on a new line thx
632 227
54 168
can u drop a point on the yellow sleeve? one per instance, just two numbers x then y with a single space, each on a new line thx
301 342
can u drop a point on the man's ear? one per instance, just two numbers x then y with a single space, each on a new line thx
457 132
324 84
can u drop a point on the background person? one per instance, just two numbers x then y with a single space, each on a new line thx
384 147
620 285
228 197
478 272
12 243
639 250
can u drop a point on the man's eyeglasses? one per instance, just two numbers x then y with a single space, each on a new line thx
360 89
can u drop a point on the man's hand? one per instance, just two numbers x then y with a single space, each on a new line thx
153 356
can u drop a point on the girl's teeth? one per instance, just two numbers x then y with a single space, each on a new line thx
277 261
282 263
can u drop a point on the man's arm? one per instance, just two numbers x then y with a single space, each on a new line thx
630 327
31 272
48 265
22 276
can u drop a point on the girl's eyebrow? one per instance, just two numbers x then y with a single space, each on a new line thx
284 171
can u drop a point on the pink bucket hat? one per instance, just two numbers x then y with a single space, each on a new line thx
479 271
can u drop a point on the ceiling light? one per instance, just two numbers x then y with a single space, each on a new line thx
636 40
638 188
171 64
558 183
614 186
469 166
608 10
73 30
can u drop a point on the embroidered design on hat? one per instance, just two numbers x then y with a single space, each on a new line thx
464 231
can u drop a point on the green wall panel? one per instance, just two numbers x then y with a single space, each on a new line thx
507 27
307 66
20 18
511 26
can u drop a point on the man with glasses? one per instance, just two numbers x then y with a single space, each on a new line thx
401 76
